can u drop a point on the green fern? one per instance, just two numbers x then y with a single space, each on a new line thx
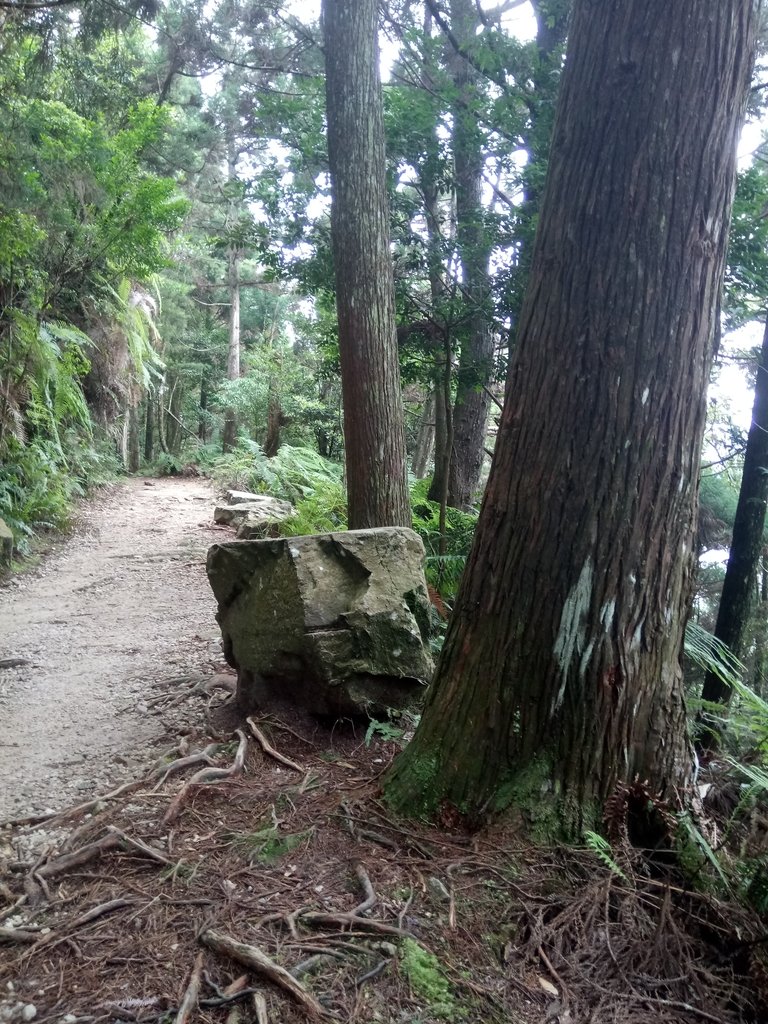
602 850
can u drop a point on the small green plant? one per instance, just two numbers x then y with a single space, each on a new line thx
422 970
695 852
602 850
267 845
384 730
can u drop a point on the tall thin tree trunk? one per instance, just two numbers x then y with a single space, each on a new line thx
746 543
425 438
275 420
149 429
229 435
134 442
374 433
561 675
202 427
470 414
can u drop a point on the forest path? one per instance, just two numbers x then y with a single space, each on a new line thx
121 605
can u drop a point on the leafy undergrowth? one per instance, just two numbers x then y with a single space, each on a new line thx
376 919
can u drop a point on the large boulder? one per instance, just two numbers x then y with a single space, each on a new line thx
251 514
335 623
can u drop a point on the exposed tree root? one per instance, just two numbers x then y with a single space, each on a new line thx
353 922
79 857
139 846
208 776
79 809
19 935
189 1002
621 950
268 749
201 757
253 957
198 686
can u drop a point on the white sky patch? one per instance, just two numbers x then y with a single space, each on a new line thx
731 387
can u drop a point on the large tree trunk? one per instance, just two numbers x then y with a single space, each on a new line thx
470 415
747 542
560 676
374 434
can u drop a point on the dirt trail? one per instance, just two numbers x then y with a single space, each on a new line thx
120 606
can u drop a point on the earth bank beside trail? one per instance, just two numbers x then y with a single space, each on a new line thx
119 607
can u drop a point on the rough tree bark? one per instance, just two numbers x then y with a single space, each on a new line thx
374 433
747 541
560 676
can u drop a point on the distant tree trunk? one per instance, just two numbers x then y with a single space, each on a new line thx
275 421
229 435
747 542
374 433
540 100
202 428
172 416
160 417
760 671
425 439
233 351
149 429
134 443
470 414
443 412
561 676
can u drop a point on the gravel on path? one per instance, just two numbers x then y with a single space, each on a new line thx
118 608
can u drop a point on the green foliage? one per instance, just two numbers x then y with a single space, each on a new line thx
710 654
322 511
747 264
267 845
695 851
293 474
602 850
444 570
427 980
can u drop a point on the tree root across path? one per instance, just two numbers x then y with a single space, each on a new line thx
335 910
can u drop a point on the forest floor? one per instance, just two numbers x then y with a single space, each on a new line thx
164 860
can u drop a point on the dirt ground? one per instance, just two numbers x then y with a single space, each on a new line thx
120 606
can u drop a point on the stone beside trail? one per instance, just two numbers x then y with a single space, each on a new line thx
119 607
334 624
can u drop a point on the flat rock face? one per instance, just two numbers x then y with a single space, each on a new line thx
251 513
334 623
